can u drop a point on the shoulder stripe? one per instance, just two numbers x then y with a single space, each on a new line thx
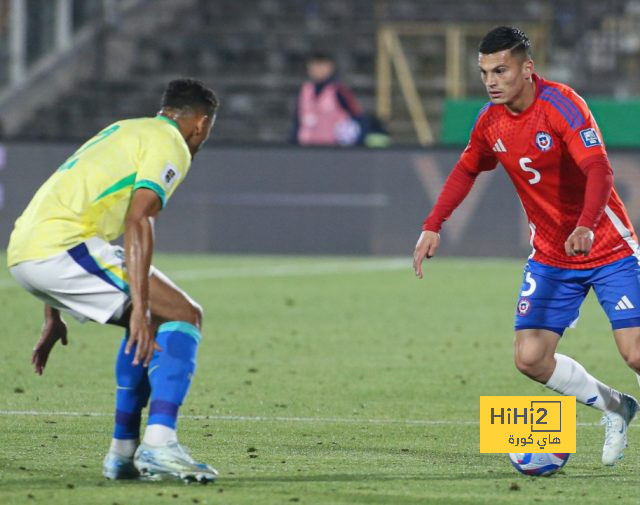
562 101
564 105
484 108
562 111
568 102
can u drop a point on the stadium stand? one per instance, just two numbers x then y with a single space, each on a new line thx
253 53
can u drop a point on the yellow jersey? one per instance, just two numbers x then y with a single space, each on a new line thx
89 194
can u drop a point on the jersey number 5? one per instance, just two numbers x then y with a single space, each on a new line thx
536 175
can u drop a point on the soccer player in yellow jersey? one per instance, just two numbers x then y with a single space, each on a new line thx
59 250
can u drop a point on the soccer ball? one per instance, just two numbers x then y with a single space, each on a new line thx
539 465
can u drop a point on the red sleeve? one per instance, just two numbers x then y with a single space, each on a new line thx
574 122
454 191
477 157
597 190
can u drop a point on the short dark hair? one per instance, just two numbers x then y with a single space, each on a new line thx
319 56
190 93
506 37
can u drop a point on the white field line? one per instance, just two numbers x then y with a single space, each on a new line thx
301 269
275 419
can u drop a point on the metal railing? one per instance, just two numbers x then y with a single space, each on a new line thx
391 54
44 49
22 24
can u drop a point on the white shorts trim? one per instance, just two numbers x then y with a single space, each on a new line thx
89 281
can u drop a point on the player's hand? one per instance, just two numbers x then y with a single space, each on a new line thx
425 248
579 242
142 334
53 329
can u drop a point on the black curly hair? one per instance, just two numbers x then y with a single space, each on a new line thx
190 93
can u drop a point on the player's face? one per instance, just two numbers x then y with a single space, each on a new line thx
505 76
201 131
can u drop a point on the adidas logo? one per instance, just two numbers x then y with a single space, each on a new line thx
499 147
625 304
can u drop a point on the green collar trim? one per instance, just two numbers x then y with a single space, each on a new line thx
168 120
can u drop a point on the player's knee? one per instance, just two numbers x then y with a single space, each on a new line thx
632 358
529 364
196 314
524 367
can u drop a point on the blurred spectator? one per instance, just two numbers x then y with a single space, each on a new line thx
327 112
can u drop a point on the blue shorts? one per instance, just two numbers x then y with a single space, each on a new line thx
550 297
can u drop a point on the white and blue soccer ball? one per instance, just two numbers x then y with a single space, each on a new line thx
538 464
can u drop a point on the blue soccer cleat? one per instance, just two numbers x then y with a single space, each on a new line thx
172 461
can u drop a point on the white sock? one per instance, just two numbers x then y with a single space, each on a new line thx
159 435
571 379
125 448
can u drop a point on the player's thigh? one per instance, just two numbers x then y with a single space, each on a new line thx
549 299
168 302
617 287
88 281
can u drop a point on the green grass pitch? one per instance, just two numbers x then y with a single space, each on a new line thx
319 381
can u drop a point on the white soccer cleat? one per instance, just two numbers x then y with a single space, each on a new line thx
615 431
116 467
172 461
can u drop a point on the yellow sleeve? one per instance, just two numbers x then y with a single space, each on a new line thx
163 167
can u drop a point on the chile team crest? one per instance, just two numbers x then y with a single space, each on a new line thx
524 306
543 141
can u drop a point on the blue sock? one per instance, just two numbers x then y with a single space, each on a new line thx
170 370
132 394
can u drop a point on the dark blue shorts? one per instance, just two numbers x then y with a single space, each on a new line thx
550 297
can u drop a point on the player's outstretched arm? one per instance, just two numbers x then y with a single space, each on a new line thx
138 249
454 191
425 248
53 329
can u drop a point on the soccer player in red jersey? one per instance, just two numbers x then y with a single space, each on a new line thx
545 137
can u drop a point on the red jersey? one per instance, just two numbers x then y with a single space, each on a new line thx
542 150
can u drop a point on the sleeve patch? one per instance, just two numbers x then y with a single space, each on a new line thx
590 137
170 174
